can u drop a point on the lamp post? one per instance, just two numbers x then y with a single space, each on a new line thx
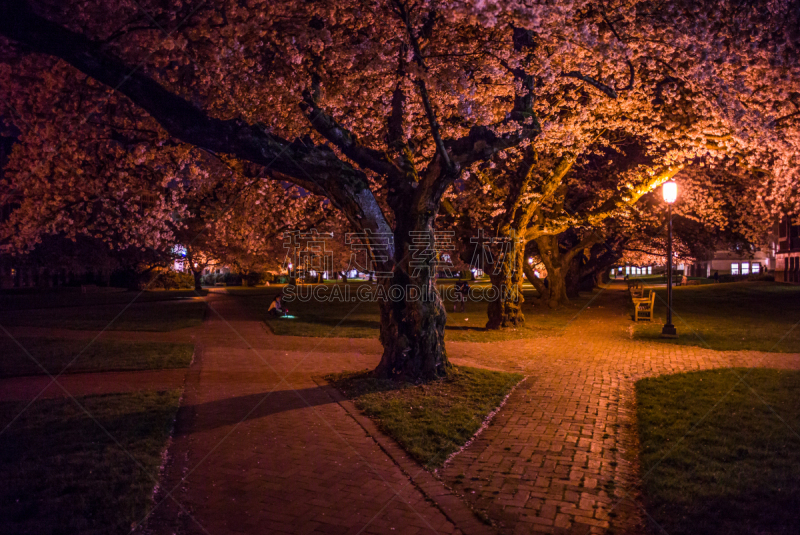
670 192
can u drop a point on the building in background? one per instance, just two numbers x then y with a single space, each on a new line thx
742 262
787 256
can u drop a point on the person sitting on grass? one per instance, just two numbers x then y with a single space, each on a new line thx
462 291
276 308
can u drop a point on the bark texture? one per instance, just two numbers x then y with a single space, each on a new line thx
506 309
413 315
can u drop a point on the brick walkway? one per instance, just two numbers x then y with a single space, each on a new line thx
262 448
561 455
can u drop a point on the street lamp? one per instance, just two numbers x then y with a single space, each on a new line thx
670 192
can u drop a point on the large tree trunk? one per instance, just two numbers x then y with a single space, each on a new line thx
413 315
572 277
412 329
505 308
603 256
198 276
558 288
556 271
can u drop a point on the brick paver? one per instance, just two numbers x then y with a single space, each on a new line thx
561 455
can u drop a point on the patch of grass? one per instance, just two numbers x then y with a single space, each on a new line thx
361 319
662 279
63 474
430 420
350 318
718 458
30 298
103 355
760 316
159 315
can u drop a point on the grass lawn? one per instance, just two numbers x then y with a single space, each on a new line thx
357 319
758 316
148 315
28 298
717 464
662 279
62 474
430 420
103 355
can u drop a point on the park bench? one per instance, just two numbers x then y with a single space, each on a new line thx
638 292
643 307
635 288
89 288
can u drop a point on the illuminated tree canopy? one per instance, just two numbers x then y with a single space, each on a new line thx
381 107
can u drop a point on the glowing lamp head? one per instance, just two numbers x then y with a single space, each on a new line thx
670 191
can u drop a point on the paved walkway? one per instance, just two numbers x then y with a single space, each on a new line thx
261 448
561 455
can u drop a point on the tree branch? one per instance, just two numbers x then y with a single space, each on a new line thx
345 140
316 168
423 88
394 128
590 239
609 91
554 181
637 250
544 292
629 198
632 72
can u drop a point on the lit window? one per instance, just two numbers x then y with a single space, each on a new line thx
627 270
756 267
734 269
745 268
649 270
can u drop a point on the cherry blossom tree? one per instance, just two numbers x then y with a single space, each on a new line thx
381 106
